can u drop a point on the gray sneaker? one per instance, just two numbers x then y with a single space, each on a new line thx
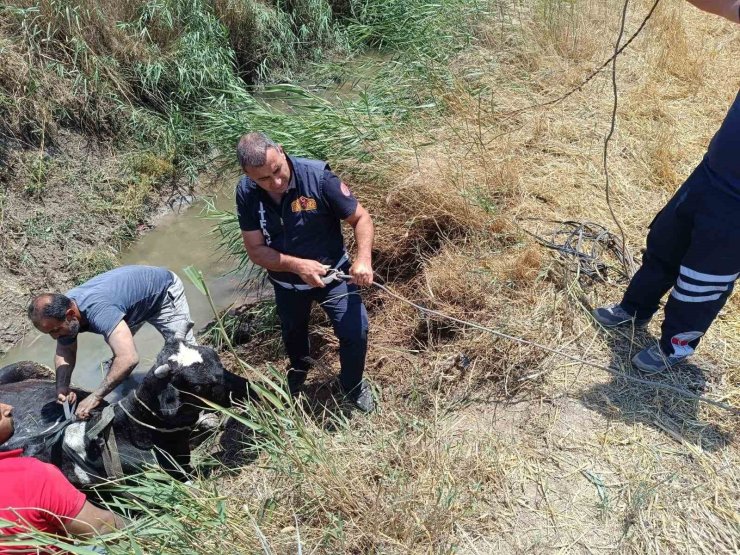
653 360
361 397
614 315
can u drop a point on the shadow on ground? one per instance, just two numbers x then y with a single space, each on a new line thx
666 411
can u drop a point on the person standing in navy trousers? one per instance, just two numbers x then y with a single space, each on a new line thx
693 247
290 213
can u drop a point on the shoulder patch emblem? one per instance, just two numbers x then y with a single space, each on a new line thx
345 190
303 203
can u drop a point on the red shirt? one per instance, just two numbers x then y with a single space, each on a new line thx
34 494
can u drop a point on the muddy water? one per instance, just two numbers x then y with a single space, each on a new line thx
181 238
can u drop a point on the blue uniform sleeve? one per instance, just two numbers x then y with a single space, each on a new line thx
338 196
246 207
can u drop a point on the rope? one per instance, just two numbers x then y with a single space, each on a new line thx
140 423
143 404
650 383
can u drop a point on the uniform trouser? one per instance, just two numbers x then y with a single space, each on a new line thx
343 305
694 247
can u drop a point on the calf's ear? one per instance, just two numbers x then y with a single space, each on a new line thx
162 371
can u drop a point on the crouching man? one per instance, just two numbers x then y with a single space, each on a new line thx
36 495
114 304
290 213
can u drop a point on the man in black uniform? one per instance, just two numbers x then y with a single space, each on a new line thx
693 246
290 212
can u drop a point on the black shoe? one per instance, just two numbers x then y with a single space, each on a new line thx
296 379
361 397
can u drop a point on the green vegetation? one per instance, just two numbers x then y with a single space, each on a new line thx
480 446
84 265
37 176
254 323
162 71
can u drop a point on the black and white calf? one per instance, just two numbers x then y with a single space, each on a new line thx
152 424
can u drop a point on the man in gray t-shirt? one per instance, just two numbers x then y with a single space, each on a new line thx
115 305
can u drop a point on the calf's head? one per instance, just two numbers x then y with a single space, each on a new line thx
184 373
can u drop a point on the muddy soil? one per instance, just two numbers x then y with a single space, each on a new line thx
65 215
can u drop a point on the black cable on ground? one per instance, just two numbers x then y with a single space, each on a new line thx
618 50
582 246
627 262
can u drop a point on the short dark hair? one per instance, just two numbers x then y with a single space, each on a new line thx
49 305
252 149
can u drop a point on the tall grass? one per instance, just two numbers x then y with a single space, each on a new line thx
261 36
141 69
433 28
162 71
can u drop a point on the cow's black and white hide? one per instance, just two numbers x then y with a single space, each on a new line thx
166 399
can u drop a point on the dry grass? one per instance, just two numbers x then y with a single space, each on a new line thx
483 446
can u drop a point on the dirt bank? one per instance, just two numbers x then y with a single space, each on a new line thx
67 212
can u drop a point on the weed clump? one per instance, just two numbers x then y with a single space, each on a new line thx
86 264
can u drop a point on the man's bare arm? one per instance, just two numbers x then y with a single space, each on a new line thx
729 9
364 231
362 269
310 271
125 359
92 521
65 359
